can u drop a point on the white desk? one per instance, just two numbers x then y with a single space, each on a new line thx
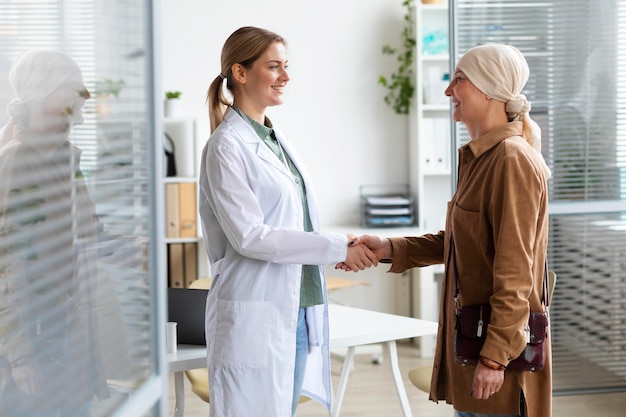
349 327
186 357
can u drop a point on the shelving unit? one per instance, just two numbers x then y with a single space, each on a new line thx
429 147
116 180
184 246
430 126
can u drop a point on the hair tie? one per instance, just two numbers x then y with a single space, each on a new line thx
222 76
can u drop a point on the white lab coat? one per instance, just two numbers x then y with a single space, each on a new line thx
252 219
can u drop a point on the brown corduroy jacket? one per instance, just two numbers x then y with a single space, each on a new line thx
498 219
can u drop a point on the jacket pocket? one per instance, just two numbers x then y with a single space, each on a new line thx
466 230
241 334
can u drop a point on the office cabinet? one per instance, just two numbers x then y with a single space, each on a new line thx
184 249
429 146
429 123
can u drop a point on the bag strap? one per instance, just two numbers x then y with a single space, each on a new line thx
545 298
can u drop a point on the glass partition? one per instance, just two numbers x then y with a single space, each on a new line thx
80 311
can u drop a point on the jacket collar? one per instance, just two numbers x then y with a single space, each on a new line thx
494 137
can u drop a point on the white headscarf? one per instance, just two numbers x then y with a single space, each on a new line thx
501 72
35 75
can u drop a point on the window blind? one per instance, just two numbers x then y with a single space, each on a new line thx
575 50
80 301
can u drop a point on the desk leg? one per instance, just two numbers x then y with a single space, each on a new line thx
179 389
395 370
343 381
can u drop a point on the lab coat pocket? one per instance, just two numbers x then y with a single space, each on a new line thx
241 334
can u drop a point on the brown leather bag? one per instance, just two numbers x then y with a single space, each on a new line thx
471 330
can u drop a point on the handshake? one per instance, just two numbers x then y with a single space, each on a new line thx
364 252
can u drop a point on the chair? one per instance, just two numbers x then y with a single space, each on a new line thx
421 376
199 378
551 284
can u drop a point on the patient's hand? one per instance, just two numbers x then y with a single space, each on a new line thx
380 246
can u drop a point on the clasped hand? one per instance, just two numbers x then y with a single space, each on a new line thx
364 252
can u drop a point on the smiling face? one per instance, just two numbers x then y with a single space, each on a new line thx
61 109
261 85
467 100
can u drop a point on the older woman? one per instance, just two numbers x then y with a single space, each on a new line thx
497 223
49 241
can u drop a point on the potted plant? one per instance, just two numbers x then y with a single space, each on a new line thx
401 83
171 105
104 89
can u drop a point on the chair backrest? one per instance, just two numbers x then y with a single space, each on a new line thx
202 283
551 284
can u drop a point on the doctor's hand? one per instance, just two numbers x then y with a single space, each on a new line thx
358 258
381 248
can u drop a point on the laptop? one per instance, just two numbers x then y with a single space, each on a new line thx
186 307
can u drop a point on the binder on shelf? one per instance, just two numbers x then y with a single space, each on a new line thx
172 215
435 145
441 145
176 265
180 210
190 255
187 209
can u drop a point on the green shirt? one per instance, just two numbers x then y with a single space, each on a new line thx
311 286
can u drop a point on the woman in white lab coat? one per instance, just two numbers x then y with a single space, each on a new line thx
266 314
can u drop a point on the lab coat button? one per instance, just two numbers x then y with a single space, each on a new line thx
292 324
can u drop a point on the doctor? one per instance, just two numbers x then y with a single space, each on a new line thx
266 314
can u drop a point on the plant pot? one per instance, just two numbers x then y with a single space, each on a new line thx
171 107
103 104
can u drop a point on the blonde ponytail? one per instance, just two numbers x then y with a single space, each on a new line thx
217 101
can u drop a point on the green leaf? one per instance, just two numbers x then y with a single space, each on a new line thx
399 84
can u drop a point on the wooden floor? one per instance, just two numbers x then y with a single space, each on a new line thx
371 393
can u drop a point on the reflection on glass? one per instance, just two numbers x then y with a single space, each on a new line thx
64 335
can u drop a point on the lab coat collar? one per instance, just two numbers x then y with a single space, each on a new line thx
247 133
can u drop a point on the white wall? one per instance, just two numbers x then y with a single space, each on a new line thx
333 110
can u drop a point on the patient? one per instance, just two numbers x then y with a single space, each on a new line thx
49 235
